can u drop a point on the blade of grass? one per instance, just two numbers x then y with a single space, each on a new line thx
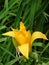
3 39
7 51
44 49
12 61
2 27
4 12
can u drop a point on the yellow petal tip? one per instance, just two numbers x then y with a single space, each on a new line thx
37 35
10 33
22 27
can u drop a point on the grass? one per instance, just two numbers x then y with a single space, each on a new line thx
35 15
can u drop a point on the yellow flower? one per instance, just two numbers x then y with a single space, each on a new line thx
24 38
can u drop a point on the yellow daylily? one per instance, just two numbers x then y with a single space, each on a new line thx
24 38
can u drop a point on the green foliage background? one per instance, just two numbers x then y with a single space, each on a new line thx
35 15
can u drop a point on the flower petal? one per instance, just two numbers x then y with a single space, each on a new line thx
22 27
10 33
24 49
20 38
28 38
37 35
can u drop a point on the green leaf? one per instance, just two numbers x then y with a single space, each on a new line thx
2 27
12 62
4 12
1 64
44 49
4 49
3 39
47 63
38 44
